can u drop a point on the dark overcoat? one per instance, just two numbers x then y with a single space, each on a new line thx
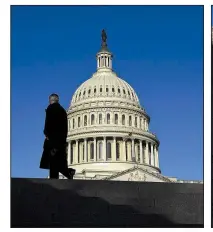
55 130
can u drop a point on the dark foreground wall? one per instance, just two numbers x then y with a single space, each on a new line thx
78 203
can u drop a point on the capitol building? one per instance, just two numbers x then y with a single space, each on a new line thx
108 136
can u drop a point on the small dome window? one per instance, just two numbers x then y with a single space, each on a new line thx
89 91
107 89
84 92
101 90
95 90
113 90
128 92
119 91
124 91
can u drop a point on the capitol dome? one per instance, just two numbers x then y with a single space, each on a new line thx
108 136
105 84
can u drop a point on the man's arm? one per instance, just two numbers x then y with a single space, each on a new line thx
47 123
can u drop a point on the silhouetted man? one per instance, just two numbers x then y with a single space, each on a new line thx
54 156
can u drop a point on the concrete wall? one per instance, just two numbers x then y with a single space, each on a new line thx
79 203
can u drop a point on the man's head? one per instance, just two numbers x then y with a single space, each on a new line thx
53 98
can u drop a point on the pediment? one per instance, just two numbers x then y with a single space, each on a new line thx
138 174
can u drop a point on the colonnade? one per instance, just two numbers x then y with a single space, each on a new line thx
113 149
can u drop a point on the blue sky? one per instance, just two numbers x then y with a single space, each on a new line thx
158 50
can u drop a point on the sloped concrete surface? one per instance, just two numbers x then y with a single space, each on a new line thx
79 203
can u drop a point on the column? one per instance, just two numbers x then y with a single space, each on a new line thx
69 153
85 150
123 155
133 149
152 155
76 155
129 153
136 152
80 152
114 149
147 153
155 161
141 152
104 149
95 146
157 158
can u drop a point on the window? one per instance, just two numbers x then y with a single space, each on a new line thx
116 118
140 122
124 91
130 120
79 121
107 90
92 150
108 118
100 118
85 120
123 119
108 151
89 91
113 90
95 91
101 90
100 151
117 150
79 94
136 121
84 92
128 92
119 91
92 119
73 123
138 152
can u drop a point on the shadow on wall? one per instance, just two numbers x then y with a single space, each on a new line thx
52 204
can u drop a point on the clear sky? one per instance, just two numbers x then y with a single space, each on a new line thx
158 50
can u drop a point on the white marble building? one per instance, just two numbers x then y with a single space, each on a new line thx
109 135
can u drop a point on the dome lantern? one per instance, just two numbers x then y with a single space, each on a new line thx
104 56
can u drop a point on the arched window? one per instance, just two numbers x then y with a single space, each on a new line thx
124 91
79 121
119 91
100 119
92 119
107 89
92 150
100 151
130 120
116 118
84 92
101 90
123 119
79 94
136 121
108 150
73 123
113 90
85 120
108 118
89 91
95 91
117 150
